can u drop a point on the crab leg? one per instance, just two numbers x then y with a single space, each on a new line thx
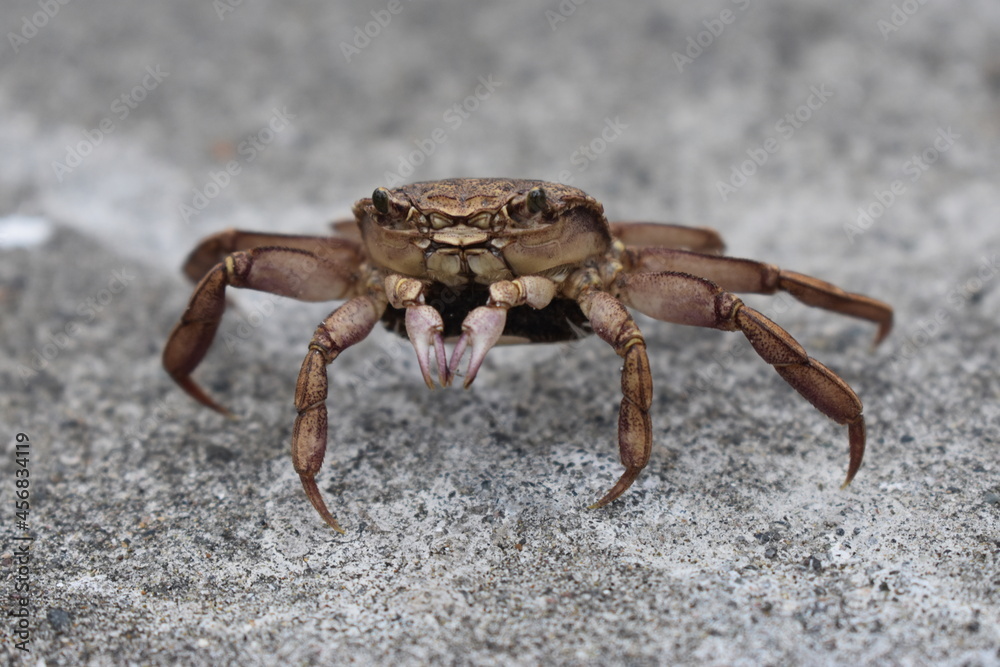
745 275
213 249
644 234
284 271
612 322
349 324
686 299
347 229
482 328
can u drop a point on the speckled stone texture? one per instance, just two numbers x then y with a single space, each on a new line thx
857 142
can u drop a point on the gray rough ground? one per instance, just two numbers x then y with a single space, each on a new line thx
164 532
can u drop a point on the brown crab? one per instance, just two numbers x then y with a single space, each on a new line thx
486 261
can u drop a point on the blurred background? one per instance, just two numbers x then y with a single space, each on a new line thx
691 91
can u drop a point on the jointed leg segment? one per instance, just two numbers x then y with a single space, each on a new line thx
650 234
612 322
745 275
349 324
686 299
343 253
283 271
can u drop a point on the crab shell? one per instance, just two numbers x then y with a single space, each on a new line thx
438 231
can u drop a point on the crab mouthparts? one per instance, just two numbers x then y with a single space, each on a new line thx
460 236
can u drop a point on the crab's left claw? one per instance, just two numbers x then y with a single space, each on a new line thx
423 327
481 330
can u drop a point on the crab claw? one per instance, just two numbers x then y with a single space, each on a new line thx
482 328
424 327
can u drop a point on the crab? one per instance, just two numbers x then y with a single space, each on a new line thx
484 261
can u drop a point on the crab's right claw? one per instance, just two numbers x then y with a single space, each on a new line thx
481 330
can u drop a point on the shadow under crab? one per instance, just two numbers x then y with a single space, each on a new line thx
485 261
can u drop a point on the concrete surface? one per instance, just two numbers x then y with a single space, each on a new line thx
164 532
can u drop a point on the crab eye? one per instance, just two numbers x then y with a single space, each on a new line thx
380 200
536 200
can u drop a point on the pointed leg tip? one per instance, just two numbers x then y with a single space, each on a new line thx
607 499
848 479
884 329
195 391
620 487
316 498
857 436
222 410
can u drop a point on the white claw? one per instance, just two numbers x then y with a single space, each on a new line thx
481 330
424 327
